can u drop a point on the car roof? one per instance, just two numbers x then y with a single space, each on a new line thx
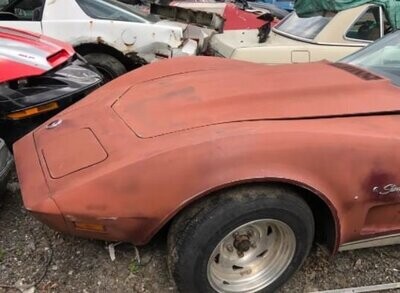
340 24
334 31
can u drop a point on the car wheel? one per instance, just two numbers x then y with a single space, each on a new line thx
243 240
109 66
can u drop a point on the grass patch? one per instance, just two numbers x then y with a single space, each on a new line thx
134 266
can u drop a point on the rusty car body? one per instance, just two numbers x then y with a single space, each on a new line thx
242 169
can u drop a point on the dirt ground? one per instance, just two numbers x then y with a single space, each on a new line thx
30 253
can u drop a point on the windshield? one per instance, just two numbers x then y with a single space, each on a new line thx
306 28
114 10
381 57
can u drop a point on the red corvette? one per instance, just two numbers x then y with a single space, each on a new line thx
39 76
25 54
247 164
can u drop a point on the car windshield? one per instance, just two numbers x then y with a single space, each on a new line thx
381 57
114 10
303 27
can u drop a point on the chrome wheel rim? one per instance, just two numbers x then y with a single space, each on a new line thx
251 257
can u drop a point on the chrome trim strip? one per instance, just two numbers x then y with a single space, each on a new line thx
360 44
382 24
371 242
373 288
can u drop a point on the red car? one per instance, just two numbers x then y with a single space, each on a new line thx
247 165
235 18
39 77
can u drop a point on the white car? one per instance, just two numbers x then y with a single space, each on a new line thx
113 36
301 40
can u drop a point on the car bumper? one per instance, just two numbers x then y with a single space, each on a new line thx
34 190
6 162
161 51
221 46
47 204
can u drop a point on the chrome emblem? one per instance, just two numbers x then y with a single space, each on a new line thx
387 189
54 124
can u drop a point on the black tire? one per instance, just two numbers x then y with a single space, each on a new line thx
109 66
198 229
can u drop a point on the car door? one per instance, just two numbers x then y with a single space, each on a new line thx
22 14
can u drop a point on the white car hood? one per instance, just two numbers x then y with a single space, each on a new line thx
173 24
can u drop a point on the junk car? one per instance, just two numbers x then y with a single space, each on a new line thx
245 174
330 36
238 16
113 36
39 77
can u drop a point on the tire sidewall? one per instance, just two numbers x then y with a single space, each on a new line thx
227 220
109 66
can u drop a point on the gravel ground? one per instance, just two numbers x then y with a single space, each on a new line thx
30 253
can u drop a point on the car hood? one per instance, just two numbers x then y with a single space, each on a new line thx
24 54
224 91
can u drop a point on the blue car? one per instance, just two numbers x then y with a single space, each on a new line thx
282 4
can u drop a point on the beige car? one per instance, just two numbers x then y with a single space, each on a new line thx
299 40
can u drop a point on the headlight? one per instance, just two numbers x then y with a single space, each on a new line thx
15 97
23 87
30 96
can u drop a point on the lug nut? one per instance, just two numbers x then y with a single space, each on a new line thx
236 234
253 245
250 233
229 248
240 254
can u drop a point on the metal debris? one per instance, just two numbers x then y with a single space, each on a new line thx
111 250
375 288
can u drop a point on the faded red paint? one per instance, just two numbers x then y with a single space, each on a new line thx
239 19
176 130
40 47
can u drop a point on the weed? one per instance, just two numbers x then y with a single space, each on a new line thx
134 266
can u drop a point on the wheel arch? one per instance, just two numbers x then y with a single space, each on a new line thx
327 224
87 48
